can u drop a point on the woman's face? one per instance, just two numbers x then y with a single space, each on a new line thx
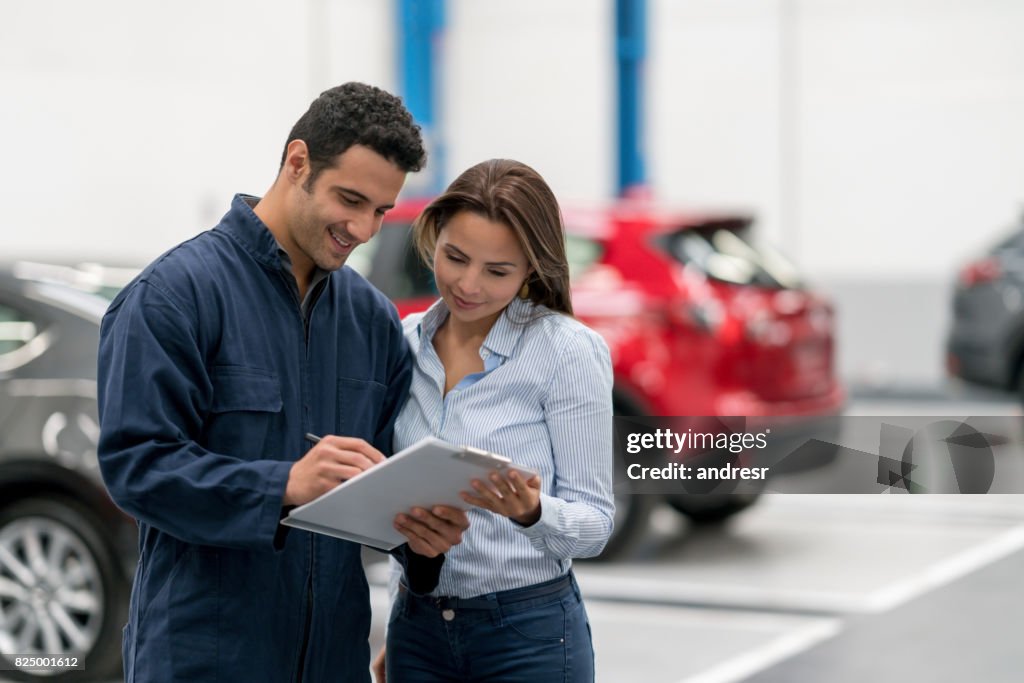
479 268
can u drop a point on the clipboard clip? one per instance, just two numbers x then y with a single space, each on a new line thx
481 457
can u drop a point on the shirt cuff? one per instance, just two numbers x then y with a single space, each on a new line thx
550 511
422 574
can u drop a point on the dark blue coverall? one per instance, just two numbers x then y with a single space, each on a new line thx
208 380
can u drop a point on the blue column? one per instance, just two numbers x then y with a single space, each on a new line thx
630 53
420 30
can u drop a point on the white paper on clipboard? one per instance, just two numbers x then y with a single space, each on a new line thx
430 472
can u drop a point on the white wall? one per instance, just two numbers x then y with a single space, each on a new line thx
534 80
128 126
874 137
882 139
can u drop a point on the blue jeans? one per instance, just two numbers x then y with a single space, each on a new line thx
536 634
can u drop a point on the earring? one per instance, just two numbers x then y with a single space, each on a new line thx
524 291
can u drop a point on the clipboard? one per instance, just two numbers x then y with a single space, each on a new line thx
428 473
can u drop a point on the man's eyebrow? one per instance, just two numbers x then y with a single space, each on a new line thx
359 195
452 247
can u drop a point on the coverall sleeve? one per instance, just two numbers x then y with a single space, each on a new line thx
154 395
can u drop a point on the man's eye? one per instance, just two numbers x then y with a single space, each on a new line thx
350 202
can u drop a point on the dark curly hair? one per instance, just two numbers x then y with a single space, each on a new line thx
357 114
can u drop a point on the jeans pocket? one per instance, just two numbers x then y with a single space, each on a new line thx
544 623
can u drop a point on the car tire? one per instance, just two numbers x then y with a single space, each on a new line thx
76 572
712 509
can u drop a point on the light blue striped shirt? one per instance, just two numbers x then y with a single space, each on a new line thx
544 400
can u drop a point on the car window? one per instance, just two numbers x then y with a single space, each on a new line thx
1013 241
581 253
391 263
728 255
16 329
86 305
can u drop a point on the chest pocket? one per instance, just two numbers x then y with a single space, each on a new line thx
246 405
360 407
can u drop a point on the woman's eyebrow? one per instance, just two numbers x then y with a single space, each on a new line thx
451 247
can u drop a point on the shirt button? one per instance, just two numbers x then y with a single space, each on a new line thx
448 614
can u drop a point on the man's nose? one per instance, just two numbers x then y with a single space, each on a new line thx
364 228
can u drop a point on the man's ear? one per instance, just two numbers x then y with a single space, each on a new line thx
296 161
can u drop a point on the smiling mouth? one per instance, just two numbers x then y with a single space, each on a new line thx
342 244
463 303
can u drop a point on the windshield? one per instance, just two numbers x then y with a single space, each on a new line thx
726 254
103 281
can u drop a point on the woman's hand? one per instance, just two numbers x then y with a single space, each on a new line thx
432 532
511 496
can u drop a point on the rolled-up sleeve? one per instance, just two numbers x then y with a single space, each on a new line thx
576 519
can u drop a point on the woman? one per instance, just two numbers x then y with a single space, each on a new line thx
502 365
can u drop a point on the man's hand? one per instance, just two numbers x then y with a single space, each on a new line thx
512 497
331 461
432 532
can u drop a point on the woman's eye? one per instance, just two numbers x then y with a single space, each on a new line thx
453 258
498 273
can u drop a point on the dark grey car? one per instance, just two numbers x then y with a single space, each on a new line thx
66 552
986 341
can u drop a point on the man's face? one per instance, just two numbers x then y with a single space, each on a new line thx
343 209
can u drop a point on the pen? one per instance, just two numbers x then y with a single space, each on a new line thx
312 438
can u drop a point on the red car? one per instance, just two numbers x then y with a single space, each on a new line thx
699 322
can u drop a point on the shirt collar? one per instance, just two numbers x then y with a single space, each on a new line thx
502 338
242 223
286 265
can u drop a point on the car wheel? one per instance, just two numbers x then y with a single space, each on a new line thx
61 589
712 509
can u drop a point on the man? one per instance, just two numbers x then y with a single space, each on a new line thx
214 363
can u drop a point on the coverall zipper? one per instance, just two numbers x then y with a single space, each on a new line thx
304 646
